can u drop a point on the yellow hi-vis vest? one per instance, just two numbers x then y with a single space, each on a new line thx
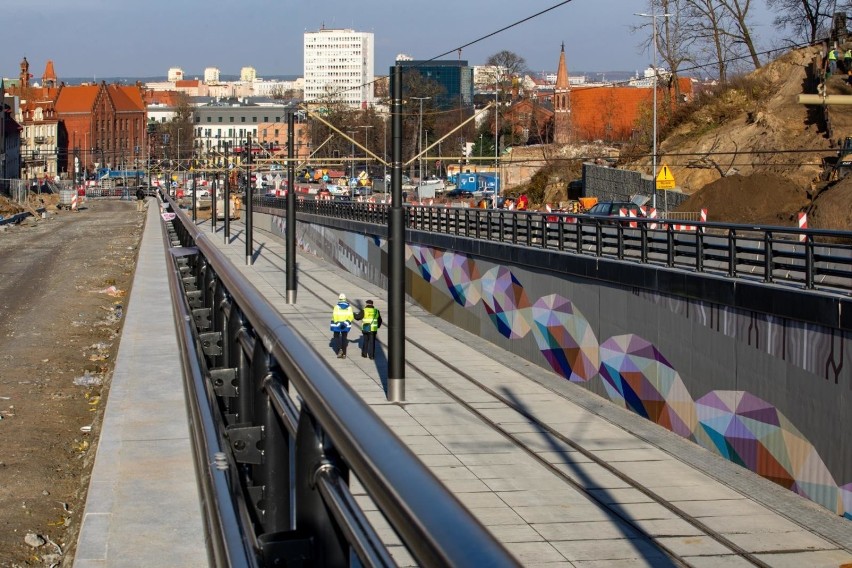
371 319
341 318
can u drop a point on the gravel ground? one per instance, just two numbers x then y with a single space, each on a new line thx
63 287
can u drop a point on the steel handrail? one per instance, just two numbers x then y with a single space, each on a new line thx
431 522
812 259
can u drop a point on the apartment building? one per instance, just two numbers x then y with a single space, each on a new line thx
339 67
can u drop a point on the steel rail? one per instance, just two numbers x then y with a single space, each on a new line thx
430 521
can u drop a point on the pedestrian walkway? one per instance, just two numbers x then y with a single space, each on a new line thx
550 468
142 507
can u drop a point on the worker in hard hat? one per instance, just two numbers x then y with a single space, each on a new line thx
342 317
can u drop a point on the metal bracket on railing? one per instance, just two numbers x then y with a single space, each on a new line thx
189 283
224 382
193 297
211 343
244 443
201 317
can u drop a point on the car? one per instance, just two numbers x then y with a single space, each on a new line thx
614 208
458 194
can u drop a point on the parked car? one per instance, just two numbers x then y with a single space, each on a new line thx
458 194
611 209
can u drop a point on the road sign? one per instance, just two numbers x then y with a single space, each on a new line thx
665 179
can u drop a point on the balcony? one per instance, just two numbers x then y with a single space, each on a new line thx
41 139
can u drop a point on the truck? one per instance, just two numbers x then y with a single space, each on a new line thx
427 188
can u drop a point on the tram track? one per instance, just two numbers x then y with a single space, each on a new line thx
575 484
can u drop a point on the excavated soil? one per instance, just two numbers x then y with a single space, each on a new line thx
763 198
62 296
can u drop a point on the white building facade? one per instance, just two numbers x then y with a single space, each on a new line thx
339 66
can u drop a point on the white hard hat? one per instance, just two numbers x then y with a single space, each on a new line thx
342 297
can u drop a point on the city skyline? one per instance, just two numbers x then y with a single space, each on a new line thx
93 38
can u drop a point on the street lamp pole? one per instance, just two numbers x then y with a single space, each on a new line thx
351 134
420 136
654 17
366 128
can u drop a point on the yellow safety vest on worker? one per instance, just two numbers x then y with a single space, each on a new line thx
341 317
370 321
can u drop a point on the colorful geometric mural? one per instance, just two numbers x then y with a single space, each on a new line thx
506 302
735 424
429 262
846 495
461 276
565 338
753 433
637 376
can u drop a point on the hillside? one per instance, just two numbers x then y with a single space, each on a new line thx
774 146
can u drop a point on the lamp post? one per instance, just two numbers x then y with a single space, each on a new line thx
351 134
654 17
366 128
420 135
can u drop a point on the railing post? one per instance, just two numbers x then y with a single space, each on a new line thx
544 235
732 253
643 242
699 249
599 238
619 232
313 456
670 245
578 228
767 256
809 262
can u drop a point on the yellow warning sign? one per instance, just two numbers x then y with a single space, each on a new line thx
665 179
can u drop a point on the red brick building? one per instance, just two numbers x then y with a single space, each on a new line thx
104 125
579 114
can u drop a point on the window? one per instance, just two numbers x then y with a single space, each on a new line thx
232 118
220 119
242 119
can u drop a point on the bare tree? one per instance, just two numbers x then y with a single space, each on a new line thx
739 31
707 22
672 35
808 20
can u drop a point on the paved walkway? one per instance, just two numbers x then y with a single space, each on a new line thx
522 479
143 508
535 485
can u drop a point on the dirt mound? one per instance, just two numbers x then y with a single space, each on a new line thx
9 208
761 198
831 208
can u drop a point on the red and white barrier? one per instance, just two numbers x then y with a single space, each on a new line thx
74 201
803 224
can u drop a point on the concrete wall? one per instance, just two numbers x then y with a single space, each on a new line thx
766 392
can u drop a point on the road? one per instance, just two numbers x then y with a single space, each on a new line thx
60 320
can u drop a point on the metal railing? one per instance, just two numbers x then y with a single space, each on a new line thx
810 259
276 433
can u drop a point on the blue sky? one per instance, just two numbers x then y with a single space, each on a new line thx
105 38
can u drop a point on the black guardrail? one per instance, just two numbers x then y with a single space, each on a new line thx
810 259
277 432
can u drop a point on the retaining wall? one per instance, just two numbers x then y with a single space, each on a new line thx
765 391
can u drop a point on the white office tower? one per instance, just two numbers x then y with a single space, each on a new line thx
211 75
339 67
175 74
248 74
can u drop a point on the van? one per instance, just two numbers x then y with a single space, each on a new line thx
427 188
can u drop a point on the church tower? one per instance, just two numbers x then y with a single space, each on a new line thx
25 74
48 80
562 103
